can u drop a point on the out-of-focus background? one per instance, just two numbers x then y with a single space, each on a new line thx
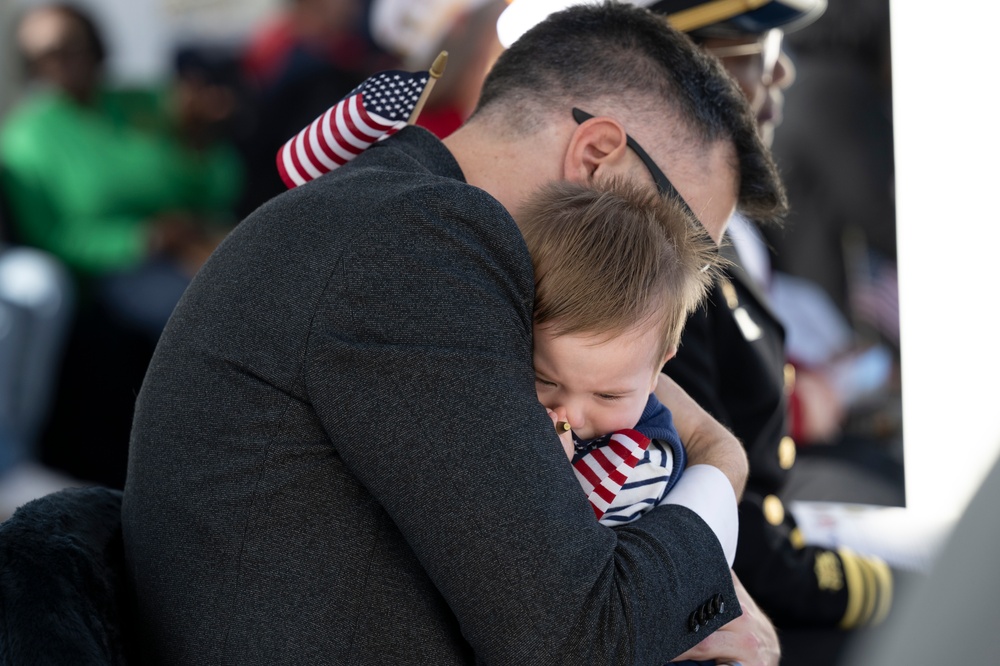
133 136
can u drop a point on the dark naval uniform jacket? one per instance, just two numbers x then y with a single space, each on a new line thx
338 456
731 360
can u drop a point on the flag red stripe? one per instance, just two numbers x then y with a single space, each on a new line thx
600 472
282 171
370 126
342 131
613 475
587 472
293 154
318 142
624 452
641 441
608 466
598 456
354 138
306 155
605 493
330 134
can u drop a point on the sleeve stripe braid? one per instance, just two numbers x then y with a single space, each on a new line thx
870 590
883 576
856 589
852 575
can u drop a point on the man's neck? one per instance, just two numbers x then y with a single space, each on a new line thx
508 168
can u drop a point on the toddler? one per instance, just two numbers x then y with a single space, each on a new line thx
618 269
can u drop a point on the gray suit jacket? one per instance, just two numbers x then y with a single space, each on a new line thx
338 456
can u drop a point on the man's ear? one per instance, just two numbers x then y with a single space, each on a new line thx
598 144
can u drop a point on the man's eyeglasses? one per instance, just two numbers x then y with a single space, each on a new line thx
663 184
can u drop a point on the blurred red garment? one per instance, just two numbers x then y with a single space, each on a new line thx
272 50
441 121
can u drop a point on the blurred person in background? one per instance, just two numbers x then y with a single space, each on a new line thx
36 304
818 339
131 190
733 359
417 30
836 149
306 38
844 174
296 65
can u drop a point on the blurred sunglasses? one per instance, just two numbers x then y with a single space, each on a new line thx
767 46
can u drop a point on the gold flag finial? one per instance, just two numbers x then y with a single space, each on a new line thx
436 70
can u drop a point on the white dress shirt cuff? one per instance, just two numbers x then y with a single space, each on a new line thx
706 491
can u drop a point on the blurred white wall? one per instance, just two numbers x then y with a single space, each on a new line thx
217 19
947 142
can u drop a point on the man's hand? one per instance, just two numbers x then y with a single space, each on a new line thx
749 640
706 440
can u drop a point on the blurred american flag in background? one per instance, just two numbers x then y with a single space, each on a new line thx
873 292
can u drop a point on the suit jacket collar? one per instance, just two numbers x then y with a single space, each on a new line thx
425 148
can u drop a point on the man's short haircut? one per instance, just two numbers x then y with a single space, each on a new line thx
614 256
618 51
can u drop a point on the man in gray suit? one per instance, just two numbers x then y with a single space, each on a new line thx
338 455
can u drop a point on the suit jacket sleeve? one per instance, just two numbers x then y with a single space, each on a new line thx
436 320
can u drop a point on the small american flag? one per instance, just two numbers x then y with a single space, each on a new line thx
376 109
603 470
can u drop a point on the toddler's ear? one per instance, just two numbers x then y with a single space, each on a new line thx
671 352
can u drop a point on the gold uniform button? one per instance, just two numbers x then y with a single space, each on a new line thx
789 378
786 452
774 510
729 292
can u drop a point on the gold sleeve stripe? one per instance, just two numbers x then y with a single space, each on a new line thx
712 12
870 591
855 588
884 577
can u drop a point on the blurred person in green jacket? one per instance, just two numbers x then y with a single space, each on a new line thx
131 189
108 180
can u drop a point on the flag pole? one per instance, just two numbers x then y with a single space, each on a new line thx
436 70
